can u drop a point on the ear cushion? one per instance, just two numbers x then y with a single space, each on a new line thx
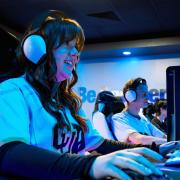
130 95
34 47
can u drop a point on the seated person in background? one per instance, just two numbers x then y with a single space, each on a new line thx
160 120
149 111
105 106
131 126
44 133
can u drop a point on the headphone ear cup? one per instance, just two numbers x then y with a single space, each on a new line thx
34 48
130 96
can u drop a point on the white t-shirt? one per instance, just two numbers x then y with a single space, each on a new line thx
22 117
123 124
100 124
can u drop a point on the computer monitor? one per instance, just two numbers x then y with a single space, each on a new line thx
173 102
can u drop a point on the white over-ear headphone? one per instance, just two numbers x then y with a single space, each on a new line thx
34 45
131 95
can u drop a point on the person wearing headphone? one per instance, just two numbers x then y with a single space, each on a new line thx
44 133
130 125
160 119
149 111
105 106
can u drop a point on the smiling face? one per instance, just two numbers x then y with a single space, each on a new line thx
66 56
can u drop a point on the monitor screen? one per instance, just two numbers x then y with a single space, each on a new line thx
173 102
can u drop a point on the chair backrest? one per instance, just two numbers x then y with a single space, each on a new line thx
108 120
112 105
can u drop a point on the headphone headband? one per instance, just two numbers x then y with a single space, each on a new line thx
34 46
137 82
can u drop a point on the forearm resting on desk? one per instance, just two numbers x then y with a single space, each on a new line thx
137 138
25 161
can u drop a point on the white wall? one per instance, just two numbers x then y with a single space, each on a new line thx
112 74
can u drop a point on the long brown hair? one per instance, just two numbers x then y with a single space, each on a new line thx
56 28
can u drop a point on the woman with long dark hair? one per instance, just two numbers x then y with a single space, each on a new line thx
44 133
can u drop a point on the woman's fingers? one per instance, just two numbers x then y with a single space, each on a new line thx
113 163
104 166
145 162
147 153
128 163
116 172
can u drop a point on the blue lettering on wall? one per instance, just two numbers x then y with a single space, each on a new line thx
153 95
82 93
90 95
